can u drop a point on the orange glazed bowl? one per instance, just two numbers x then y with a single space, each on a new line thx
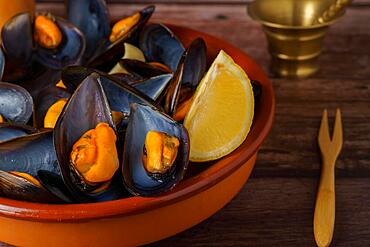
141 220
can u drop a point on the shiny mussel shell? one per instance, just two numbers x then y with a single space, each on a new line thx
21 51
141 69
19 188
159 44
144 118
188 74
17 44
108 54
120 94
2 63
92 18
69 52
86 108
16 104
9 131
29 154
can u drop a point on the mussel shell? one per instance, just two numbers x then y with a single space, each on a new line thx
54 184
119 93
141 69
9 131
172 94
189 72
195 63
16 104
29 154
142 119
159 44
257 90
121 96
2 63
19 188
108 55
17 40
46 99
45 79
69 52
92 18
72 77
86 108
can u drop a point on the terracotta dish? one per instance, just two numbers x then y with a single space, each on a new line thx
139 220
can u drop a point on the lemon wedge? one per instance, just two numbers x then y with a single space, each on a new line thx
221 114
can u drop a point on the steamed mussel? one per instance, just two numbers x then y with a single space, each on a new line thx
106 124
32 44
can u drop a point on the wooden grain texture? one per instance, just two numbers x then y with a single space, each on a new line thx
355 3
275 208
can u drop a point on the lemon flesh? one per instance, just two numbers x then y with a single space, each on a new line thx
222 111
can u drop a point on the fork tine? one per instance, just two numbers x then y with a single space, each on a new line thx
324 137
338 132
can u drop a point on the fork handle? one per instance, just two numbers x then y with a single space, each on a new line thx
324 216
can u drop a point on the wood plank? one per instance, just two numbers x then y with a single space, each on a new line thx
291 149
279 212
355 3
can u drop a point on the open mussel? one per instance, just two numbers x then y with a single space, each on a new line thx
92 18
156 152
159 44
9 131
189 72
68 52
48 106
85 142
16 104
112 49
33 43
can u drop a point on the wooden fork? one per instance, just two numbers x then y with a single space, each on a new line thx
324 217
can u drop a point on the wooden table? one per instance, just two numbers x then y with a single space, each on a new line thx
275 207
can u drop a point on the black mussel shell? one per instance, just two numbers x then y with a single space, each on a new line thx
121 96
86 108
127 78
29 154
257 90
108 54
141 69
46 99
20 188
189 73
72 77
47 78
119 93
17 45
55 185
16 104
9 131
144 118
2 63
195 63
69 52
172 94
92 18
159 44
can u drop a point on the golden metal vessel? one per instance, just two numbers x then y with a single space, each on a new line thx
294 36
